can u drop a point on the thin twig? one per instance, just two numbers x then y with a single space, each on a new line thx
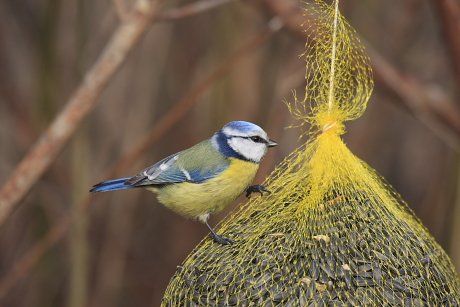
190 9
81 103
174 115
449 13
33 255
428 103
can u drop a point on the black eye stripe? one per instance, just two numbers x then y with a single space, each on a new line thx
255 138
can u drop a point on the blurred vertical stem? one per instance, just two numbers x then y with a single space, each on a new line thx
47 62
78 243
45 105
449 17
454 245
80 177
222 35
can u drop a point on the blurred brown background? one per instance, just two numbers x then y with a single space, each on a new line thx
189 75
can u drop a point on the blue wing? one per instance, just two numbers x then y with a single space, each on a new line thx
196 164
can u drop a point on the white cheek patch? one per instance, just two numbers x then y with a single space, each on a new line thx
248 149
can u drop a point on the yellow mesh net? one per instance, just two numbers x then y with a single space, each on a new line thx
332 232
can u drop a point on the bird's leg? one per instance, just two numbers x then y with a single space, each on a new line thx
217 238
258 188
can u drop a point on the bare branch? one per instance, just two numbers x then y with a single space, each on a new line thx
84 99
121 9
428 103
81 103
174 115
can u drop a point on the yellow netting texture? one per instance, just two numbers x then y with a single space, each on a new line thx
332 233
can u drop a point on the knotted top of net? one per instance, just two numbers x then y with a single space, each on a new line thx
332 232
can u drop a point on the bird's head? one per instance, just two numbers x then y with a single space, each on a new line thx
242 139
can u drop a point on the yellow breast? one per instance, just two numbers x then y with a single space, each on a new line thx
195 199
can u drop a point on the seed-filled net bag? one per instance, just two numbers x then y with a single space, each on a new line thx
332 232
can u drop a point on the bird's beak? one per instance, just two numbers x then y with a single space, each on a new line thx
271 143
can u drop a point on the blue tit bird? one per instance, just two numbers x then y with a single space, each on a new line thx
204 178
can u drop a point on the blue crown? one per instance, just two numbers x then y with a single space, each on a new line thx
242 126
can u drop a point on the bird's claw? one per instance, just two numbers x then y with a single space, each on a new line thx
258 188
221 240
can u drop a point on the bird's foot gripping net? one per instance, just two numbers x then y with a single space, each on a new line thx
332 232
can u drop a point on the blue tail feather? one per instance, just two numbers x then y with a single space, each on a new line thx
111 185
